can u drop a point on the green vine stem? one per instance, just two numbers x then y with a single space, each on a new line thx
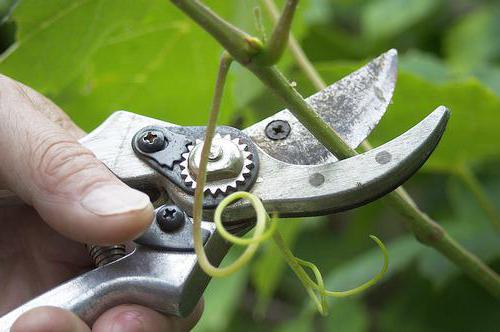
243 48
203 261
279 39
260 233
297 52
424 228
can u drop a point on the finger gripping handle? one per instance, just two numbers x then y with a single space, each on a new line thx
153 279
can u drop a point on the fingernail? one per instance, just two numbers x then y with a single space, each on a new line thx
114 199
128 321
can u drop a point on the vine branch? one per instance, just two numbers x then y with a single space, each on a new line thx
244 49
279 39
425 229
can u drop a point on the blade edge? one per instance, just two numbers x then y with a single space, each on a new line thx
352 106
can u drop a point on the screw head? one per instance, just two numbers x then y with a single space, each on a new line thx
170 218
278 130
151 141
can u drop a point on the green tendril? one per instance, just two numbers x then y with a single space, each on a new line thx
316 289
262 217
261 214
260 234
262 231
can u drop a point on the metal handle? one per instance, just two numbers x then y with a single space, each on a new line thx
169 281
157 280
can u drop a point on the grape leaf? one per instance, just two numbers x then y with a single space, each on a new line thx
6 7
469 225
473 41
425 65
348 315
296 325
386 18
94 57
268 268
402 252
433 69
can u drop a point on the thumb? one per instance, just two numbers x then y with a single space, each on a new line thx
71 190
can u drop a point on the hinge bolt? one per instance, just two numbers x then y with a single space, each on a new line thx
170 218
151 141
278 130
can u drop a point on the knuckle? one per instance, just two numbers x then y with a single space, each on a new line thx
58 162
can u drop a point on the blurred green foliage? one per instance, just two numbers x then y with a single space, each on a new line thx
97 56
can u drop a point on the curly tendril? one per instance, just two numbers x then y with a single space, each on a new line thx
261 215
260 234
262 231
316 289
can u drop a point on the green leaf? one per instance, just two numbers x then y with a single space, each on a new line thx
222 298
434 69
469 226
300 324
425 65
418 306
362 267
475 113
268 268
489 75
473 41
94 57
348 315
382 19
6 7
473 126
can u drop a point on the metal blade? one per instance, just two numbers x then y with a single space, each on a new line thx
301 190
352 106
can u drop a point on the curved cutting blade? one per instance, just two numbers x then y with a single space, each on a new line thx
352 106
301 190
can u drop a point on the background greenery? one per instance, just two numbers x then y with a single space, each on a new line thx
97 56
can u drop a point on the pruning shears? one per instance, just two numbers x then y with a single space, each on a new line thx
276 159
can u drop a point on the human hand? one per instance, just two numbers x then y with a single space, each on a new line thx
72 198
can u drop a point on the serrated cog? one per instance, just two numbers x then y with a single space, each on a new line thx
218 186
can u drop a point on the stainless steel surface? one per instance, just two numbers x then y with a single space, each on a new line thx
226 169
299 190
167 281
352 106
111 143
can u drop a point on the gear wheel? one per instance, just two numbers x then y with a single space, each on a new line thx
229 165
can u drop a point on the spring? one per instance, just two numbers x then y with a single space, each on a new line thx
103 255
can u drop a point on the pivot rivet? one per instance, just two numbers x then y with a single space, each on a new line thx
151 141
278 130
170 218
